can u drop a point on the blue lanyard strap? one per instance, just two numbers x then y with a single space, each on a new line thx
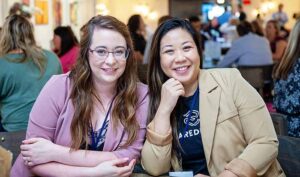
94 135
195 97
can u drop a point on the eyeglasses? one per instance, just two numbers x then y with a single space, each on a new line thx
119 53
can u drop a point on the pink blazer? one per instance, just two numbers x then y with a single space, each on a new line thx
52 114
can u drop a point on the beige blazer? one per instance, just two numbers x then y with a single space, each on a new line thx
236 128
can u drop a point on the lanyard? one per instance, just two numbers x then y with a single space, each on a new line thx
94 135
195 97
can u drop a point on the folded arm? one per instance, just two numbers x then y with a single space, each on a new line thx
258 131
157 148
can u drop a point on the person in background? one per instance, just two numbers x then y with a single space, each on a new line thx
259 19
136 27
257 28
149 41
277 43
248 50
65 46
229 30
213 29
96 124
280 16
287 83
226 16
20 9
196 23
24 70
242 14
211 122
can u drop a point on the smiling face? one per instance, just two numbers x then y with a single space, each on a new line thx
271 31
109 70
179 57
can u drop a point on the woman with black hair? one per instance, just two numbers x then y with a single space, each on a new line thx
65 46
136 27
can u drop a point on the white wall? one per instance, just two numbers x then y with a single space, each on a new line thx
125 8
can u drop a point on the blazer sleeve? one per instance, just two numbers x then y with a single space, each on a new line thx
46 109
42 119
257 127
156 152
133 151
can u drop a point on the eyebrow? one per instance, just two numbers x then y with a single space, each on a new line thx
186 42
172 45
165 46
117 47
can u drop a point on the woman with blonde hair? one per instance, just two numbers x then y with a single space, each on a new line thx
287 83
24 70
95 125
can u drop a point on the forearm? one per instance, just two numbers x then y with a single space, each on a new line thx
157 148
156 160
84 158
54 169
161 122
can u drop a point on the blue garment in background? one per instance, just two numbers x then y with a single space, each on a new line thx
248 50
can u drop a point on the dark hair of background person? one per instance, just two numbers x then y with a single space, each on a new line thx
243 16
17 34
243 28
157 77
257 29
193 19
164 18
68 39
291 54
83 91
134 23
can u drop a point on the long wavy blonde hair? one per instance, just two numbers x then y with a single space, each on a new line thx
17 34
83 91
291 54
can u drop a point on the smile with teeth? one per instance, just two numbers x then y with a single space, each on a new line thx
183 68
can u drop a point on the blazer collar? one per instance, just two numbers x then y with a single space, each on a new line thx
209 108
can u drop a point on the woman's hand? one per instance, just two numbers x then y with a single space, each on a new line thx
114 168
37 151
170 92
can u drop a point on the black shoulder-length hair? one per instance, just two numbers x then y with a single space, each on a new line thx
68 39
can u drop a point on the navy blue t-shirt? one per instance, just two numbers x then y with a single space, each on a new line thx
189 135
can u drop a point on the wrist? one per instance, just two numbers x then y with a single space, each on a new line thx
161 122
162 111
58 153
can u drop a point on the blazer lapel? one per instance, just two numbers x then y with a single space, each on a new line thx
209 109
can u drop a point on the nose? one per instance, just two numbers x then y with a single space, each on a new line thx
110 60
180 57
